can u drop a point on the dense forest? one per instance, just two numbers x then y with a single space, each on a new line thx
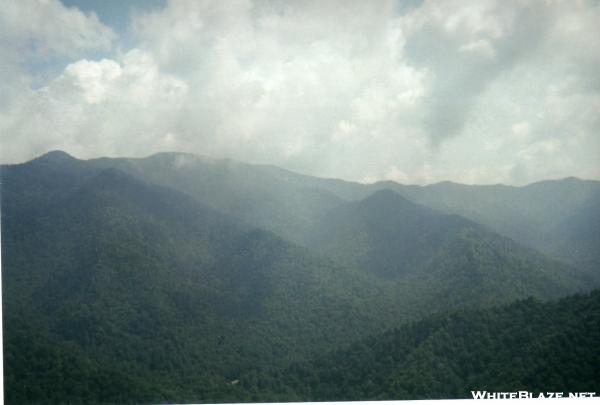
527 345
177 278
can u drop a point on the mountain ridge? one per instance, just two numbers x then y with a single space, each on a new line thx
168 283
201 157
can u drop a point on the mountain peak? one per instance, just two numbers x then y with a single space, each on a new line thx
386 196
56 156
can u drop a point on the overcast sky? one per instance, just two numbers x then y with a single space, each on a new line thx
416 92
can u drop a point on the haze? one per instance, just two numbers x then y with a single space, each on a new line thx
415 92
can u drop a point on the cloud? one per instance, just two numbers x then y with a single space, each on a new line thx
467 47
111 107
467 91
35 32
276 81
41 28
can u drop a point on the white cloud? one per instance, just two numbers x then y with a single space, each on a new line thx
94 79
35 33
479 46
44 27
106 107
521 131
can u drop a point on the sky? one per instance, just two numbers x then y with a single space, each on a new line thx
476 92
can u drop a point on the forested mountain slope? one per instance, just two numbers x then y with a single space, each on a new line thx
120 277
264 196
527 345
119 289
577 238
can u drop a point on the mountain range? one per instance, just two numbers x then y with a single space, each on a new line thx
556 217
180 278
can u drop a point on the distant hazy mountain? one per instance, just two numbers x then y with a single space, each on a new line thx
153 280
264 196
576 238
536 215
288 203
384 234
449 260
